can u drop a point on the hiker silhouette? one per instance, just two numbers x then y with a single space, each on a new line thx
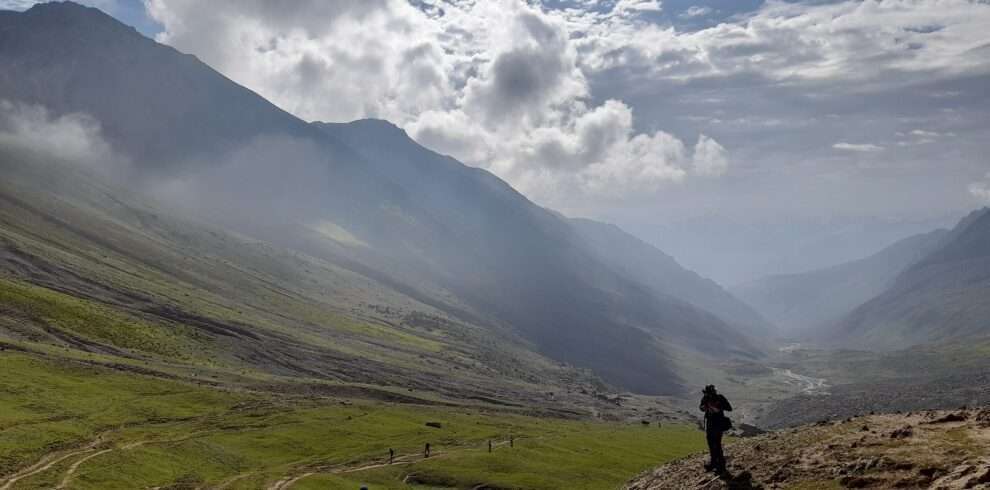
716 423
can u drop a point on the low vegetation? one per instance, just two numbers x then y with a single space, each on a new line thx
94 427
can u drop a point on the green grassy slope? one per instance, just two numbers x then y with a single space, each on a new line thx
172 291
102 428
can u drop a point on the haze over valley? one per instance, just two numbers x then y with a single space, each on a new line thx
493 244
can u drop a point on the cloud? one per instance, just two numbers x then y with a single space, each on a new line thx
710 158
579 100
696 11
496 84
802 42
981 189
16 4
925 134
857 147
69 138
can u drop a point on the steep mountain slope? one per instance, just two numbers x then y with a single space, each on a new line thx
650 266
943 297
489 235
151 100
799 303
362 196
92 267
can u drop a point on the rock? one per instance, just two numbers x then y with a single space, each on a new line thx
746 430
979 480
912 482
859 481
952 417
780 476
742 481
902 433
931 471
435 425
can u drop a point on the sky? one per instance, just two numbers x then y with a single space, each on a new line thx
744 137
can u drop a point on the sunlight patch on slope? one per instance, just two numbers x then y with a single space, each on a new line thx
338 234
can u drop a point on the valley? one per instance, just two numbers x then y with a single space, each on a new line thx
200 289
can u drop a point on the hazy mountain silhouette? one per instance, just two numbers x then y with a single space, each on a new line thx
362 195
651 266
799 303
943 297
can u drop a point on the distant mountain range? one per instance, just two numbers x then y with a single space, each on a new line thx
799 303
366 198
944 297
925 289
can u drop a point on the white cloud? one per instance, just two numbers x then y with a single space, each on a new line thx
16 4
497 84
795 41
981 189
696 11
634 6
857 147
73 138
522 89
710 158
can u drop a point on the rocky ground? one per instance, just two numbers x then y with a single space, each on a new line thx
851 400
929 449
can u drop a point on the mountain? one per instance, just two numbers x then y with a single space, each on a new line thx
652 267
89 266
361 196
800 303
941 298
151 100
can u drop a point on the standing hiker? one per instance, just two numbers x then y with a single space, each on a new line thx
426 451
715 405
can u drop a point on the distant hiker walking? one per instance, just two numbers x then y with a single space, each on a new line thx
715 405
426 451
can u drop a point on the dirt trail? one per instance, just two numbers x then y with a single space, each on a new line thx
234 479
944 450
50 460
289 481
75 466
407 459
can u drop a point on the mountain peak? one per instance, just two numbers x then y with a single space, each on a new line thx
74 17
68 11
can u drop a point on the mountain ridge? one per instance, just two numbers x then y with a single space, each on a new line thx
427 222
941 298
801 303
